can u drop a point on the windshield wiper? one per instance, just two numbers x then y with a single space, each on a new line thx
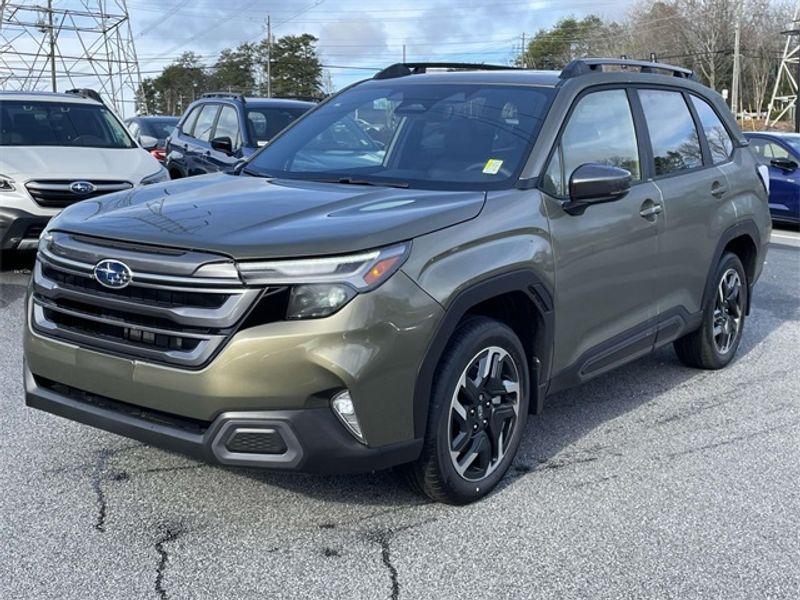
354 181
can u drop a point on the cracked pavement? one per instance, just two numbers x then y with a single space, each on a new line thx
653 481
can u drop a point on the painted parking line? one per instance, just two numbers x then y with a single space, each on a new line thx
786 238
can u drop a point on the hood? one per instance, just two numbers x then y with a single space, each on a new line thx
251 217
64 162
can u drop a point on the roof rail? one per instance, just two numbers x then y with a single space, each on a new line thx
415 68
86 93
583 66
232 95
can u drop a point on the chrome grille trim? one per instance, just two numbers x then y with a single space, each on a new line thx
170 318
56 193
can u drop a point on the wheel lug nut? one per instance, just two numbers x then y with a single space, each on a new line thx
475 427
472 411
485 422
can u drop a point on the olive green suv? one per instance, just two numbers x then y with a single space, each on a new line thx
404 274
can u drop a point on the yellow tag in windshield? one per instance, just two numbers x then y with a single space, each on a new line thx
492 166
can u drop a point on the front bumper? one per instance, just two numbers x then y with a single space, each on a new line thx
310 440
20 230
280 372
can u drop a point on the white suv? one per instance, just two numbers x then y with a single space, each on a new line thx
58 149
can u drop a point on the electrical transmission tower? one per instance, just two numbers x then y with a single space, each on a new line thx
785 93
47 45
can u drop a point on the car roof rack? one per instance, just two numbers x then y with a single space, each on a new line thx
87 93
584 66
416 68
231 95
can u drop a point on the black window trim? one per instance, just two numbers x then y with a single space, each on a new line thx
644 157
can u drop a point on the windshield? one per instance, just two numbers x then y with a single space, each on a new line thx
24 123
159 128
264 123
445 136
793 141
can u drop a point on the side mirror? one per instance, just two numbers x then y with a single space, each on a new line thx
222 144
595 183
785 164
148 142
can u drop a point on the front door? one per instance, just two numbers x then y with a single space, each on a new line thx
605 257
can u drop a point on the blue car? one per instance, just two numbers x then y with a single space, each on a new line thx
780 152
220 129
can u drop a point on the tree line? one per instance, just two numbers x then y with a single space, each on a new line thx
295 71
697 34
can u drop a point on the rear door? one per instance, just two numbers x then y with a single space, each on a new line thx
695 194
605 280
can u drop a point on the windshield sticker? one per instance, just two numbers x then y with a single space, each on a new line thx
492 166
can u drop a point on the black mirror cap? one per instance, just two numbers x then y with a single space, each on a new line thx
785 164
594 183
222 144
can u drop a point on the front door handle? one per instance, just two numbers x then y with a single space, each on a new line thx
718 190
650 209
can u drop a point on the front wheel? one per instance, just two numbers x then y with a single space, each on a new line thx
715 343
478 411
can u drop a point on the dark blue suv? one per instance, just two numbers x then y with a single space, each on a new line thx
220 129
780 152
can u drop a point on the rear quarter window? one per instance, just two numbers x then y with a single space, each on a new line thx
720 143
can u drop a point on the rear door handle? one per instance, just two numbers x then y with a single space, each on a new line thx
650 209
718 190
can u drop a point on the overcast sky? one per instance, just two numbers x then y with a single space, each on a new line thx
352 33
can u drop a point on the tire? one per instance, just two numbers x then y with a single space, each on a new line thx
703 349
495 410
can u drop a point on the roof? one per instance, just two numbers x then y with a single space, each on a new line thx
777 134
279 102
510 76
48 97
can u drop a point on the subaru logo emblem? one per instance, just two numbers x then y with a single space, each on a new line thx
113 274
82 187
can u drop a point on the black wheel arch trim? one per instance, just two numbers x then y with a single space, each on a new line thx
746 227
526 281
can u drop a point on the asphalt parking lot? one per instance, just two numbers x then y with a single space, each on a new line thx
653 481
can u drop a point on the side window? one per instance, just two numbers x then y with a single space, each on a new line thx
133 128
676 144
600 130
188 124
719 140
228 125
205 121
775 151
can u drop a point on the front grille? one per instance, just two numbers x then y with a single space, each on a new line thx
163 317
56 193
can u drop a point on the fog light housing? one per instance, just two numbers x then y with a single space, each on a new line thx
318 300
343 408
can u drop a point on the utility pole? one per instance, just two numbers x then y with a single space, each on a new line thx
522 60
404 53
737 61
269 54
52 45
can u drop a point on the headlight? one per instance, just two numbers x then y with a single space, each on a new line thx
6 184
318 300
363 271
322 286
159 176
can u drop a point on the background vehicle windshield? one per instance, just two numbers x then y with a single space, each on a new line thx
159 128
446 136
24 123
264 123
793 140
